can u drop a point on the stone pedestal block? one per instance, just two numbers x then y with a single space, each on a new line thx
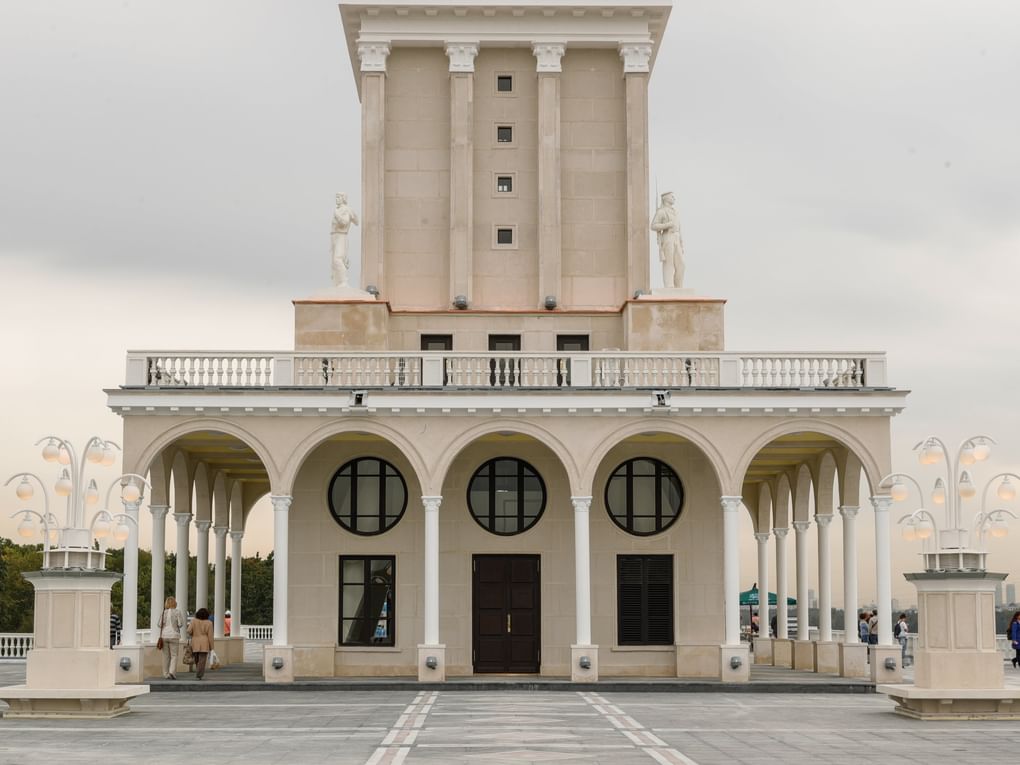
697 660
437 673
673 324
782 652
853 660
135 671
936 704
827 658
322 325
577 673
735 663
278 664
763 651
880 673
804 655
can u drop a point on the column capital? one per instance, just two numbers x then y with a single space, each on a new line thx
731 504
182 519
581 504
132 507
823 519
462 56
203 526
159 511
547 57
237 536
780 533
431 504
881 503
373 56
849 511
801 526
762 537
220 531
281 502
636 57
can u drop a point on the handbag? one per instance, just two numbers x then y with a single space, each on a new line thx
189 655
159 641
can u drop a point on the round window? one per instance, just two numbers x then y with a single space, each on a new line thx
506 496
644 496
367 496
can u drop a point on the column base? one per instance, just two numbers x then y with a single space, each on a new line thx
804 655
853 660
284 673
782 652
827 657
134 673
579 674
941 704
763 650
879 672
735 663
436 656
88 704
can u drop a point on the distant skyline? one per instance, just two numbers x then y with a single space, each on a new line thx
845 175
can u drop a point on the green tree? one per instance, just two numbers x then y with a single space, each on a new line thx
17 596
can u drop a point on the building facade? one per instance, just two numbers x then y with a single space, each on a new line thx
506 453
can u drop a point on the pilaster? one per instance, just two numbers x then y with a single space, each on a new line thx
462 86
373 162
548 58
636 58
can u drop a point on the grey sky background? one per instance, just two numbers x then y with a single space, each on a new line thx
847 176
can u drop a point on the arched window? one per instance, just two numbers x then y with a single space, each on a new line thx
506 496
367 496
644 496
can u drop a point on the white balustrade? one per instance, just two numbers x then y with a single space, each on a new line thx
263 632
603 369
15 645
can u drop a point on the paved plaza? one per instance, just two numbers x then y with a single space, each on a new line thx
379 727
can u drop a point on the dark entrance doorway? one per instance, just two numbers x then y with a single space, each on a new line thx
506 621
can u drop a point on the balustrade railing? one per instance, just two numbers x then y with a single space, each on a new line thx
439 369
14 645
257 631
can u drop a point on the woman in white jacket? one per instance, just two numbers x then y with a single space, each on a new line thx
170 625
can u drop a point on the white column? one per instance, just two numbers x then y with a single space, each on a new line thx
220 581
762 538
731 568
782 631
824 579
800 529
462 128
183 558
582 569
202 572
235 582
550 236
158 593
129 617
281 555
883 572
431 505
849 514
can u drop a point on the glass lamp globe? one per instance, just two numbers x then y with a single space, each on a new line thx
982 450
898 491
95 453
938 494
54 535
26 528
1006 491
966 487
50 452
967 456
909 532
64 456
930 454
108 457
131 492
121 532
63 485
924 529
101 528
24 490
999 528
92 493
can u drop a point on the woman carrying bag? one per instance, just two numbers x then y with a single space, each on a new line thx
1013 633
201 631
170 625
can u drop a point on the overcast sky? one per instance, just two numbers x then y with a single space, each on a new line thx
847 175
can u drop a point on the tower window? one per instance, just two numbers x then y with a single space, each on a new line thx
504 83
504 236
504 184
504 134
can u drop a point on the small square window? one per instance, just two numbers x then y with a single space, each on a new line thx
504 184
504 236
504 83
504 134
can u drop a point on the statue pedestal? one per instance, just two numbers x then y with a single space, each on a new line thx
669 293
958 671
71 672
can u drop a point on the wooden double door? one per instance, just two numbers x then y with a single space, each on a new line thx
506 621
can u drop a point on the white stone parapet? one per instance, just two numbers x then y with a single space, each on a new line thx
411 369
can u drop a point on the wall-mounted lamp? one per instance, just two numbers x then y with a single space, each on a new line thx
660 398
358 397
372 290
125 663
277 662
639 292
584 662
550 302
736 662
890 664
431 662
460 302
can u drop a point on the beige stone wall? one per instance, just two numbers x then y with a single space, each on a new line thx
594 161
471 331
417 183
505 278
674 325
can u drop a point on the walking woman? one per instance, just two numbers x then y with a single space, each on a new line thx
201 633
1013 633
170 625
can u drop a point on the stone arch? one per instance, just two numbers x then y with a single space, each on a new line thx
159 470
848 469
237 506
763 519
825 483
781 504
221 499
802 485
182 474
253 492
203 493
846 439
353 425
166 439
449 455
621 434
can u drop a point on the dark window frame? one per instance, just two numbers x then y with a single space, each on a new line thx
509 132
500 230
639 603
583 340
662 470
489 469
372 622
502 77
500 185
445 340
352 527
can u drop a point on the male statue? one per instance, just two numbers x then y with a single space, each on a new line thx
666 224
343 218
